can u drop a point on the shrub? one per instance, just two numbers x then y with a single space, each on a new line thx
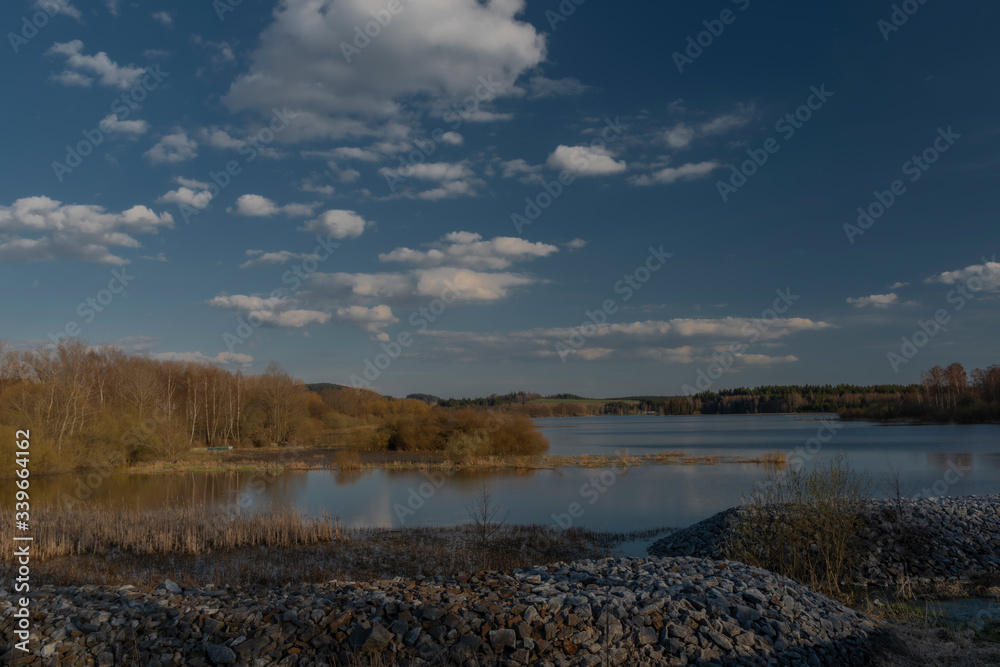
804 525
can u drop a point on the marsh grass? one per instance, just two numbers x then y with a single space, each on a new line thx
165 531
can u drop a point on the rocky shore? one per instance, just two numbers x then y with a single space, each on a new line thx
656 611
924 540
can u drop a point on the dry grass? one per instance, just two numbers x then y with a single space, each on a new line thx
180 530
357 555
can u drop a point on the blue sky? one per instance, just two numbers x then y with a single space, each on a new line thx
371 176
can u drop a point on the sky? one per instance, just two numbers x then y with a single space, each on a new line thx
461 197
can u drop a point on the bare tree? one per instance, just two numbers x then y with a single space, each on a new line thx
485 528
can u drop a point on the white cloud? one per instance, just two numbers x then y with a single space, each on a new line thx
196 194
273 311
55 7
83 70
261 258
453 138
898 285
685 172
435 50
461 285
575 244
338 224
680 136
38 228
539 87
110 124
526 173
456 179
164 18
262 207
585 161
677 341
368 319
172 149
987 273
468 250
875 300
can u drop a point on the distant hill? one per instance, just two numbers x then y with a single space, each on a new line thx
323 386
426 398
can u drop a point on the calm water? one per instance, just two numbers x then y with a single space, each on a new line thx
945 459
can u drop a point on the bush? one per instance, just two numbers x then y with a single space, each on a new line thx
803 525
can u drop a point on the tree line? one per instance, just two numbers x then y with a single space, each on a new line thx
100 406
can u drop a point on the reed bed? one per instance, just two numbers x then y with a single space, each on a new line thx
357 555
169 530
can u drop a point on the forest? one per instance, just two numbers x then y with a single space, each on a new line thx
89 407
944 395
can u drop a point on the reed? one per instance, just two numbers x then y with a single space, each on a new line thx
174 530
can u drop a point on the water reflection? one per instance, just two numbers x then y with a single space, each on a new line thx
641 498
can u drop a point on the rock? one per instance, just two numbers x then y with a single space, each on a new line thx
220 654
171 587
501 639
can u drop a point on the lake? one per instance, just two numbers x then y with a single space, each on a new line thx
930 459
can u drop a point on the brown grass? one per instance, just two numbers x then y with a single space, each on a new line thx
180 530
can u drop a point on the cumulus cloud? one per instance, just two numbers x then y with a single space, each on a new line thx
195 194
262 207
173 148
262 258
38 228
585 161
456 179
460 285
875 300
685 172
84 70
338 224
372 319
271 311
469 250
988 273
110 124
434 50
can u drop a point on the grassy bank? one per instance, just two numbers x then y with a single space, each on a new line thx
323 458
197 546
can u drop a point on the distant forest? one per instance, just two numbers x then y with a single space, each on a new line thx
944 395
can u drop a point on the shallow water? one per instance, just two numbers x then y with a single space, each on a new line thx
931 460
